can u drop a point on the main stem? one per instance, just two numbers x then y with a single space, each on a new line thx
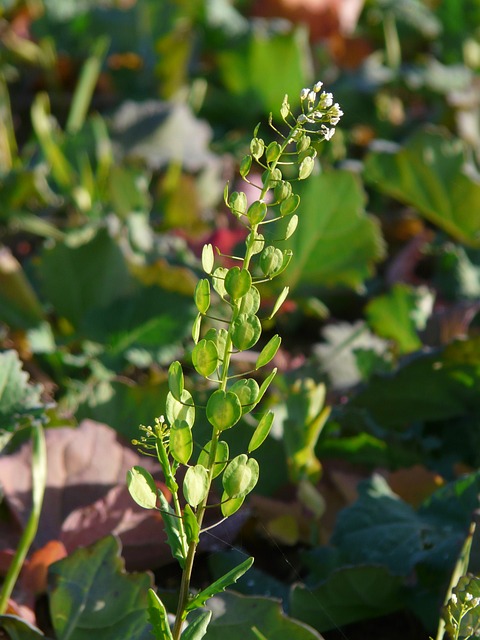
187 570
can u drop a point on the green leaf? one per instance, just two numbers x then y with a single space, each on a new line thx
208 259
223 409
180 410
202 295
269 351
219 585
142 487
158 617
247 391
195 485
18 629
246 330
237 282
337 243
221 457
399 314
91 595
192 530
198 627
77 279
175 380
205 357
18 398
429 174
240 476
261 432
174 529
181 441
280 300
249 70
432 386
348 595
233 614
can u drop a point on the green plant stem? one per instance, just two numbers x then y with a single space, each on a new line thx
39 479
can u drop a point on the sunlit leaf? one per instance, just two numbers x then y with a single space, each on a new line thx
142 487
223 409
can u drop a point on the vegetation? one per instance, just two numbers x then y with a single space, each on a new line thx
120 126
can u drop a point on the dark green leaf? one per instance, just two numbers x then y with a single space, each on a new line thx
92 595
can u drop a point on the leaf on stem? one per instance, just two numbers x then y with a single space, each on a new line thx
261 432
158 617
220 585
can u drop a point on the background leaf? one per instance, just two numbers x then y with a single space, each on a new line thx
428 173
333 218
91 594
234 616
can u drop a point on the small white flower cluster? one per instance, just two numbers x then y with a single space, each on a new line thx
319 109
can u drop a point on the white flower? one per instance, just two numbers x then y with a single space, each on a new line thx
468 597
327 133
304 93
317 86
326 100
476 602
454 598
312 96
302 118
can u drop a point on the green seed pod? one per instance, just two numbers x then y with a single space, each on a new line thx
257 147
237 203
274 151
257 212
283 190
303 143
245 166
271 260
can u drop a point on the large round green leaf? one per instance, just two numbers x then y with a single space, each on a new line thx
223 409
